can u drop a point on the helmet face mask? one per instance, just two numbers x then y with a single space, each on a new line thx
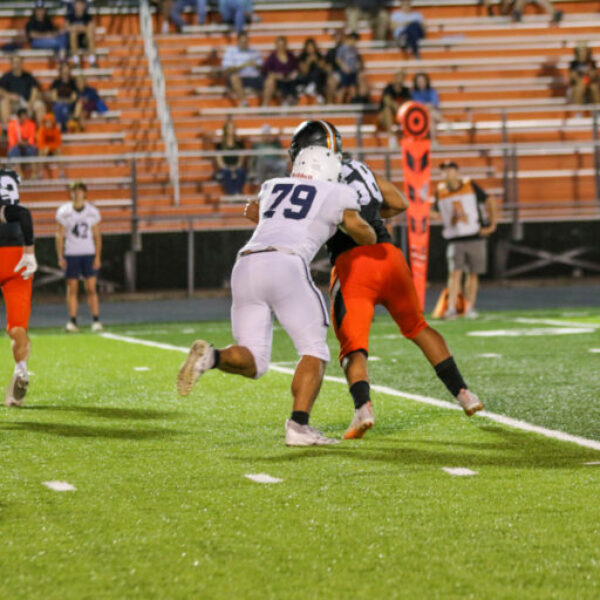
315 133
9 186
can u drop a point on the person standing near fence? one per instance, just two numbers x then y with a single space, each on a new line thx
79 251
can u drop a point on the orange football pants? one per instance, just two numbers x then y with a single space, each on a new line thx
15 289
363 278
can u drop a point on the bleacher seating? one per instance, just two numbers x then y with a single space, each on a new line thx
500 84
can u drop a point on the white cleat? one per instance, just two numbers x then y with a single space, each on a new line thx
200 359
469 402
97 327
15 394
471 314
304 435
71 327
363 420
450 314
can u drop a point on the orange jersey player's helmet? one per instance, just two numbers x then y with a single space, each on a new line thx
315 133
9 186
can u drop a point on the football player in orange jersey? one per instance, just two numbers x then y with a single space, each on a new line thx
17 265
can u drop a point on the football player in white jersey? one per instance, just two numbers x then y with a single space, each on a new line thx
296 215
79 251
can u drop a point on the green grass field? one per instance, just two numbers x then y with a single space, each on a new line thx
162 507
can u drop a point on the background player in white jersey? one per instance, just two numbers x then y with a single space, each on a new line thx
296 215
79 250
17 265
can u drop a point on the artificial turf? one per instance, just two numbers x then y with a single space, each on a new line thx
162 507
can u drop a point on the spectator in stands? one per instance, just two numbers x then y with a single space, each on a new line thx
423 92
409 28
236 12
65 97
231 172
49 139
546 5
21 137
43 34
281 71
91 102
268 164
20 89
82 33
342 84
163 8
363 90
393 96
584 82
469 217
241 65
331 55
312 71
372 10
179 6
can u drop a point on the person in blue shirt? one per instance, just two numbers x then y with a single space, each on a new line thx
423 92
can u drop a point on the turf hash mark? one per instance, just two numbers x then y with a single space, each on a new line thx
503 419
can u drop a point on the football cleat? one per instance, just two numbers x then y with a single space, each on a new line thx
469 402
304 435
71 327
471 313
201 357
450 314
97 326
363 420
17 389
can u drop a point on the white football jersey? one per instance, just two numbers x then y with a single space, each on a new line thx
79 240
299 215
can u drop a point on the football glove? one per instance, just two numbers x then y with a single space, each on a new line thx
28 264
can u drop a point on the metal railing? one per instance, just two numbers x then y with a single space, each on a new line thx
159 89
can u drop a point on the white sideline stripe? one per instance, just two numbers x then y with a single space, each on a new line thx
556 322
263 478
459 471
592 350
504 420
593 463
530 332
60 486
140 369
373 358
490 355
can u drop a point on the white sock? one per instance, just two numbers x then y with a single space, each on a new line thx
92 59
21 367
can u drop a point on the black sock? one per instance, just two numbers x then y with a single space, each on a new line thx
300 417
217 356
96 318
448 372
361 393
74 320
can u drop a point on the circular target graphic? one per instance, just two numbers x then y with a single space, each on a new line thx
414 119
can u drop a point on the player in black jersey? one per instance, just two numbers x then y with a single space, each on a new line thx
363 277
17 265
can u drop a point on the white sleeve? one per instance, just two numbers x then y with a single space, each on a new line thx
263 195
228 59
94 216
60 215
345 198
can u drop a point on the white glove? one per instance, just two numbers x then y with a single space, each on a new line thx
28 264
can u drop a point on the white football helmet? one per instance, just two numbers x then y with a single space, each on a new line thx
9 186
317 162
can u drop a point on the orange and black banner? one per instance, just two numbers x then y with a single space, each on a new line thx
416 150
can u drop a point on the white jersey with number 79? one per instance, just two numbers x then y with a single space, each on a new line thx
299 215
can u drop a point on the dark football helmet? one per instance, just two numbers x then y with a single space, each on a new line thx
315 133
9 186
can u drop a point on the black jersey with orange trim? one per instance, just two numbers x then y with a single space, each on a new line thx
357 175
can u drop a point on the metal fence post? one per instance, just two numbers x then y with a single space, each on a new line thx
517 226
190 259
505 161
135 243
596 154
361 156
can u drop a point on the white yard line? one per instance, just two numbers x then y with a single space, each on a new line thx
459 471
504 420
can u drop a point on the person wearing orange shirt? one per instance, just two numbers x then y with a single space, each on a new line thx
49 137
21 136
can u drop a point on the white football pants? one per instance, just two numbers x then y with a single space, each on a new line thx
275 283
